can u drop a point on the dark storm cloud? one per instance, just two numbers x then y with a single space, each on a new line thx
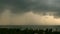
22 6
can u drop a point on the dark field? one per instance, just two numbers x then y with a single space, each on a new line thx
29 29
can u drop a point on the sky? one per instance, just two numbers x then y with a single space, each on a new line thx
29 12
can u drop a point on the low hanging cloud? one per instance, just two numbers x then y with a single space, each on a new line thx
29 18
28 12
23 6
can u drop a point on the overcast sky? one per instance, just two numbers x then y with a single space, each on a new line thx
29 12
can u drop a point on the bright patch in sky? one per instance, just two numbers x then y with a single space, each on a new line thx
28 18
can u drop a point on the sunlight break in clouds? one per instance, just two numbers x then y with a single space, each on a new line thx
29 18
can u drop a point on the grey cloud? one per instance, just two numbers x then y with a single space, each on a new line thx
22 6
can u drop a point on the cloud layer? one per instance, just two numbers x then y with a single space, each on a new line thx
30 12
22 6
29 18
